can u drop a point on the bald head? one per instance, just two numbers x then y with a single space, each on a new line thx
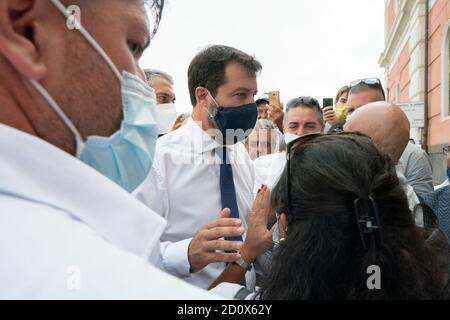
385 123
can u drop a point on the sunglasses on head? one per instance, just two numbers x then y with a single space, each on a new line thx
371 82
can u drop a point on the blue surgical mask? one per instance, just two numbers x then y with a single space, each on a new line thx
235 123
125 157
448 173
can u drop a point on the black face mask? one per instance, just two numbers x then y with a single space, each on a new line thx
235 123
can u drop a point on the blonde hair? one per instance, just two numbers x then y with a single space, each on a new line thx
344 89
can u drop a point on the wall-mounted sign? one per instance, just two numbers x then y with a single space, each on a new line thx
415 111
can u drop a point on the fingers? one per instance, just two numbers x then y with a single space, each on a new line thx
223 257
328 114
264 194
225 213
272 230
265 201
261 206
271 107
223 245
223 232
223 222
274 109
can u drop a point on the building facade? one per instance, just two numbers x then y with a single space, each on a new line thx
416 60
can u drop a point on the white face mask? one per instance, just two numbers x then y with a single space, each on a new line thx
126 156
166 114
289 137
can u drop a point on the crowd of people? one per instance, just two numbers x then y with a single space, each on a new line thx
106 192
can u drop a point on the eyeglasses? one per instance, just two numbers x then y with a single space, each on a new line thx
371 82
446 150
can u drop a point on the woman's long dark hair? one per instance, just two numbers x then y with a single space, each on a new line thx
323 256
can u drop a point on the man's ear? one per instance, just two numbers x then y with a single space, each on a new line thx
201 96
17 37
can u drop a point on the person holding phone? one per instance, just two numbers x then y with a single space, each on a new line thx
333 116
275 111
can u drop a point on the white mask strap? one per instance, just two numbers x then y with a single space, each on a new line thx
88 38
58 110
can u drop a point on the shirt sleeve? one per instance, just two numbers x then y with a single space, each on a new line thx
420 173
175 258
174 255
234 291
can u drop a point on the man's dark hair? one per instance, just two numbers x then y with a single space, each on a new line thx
207 69
305 102
156 7
323 255
342 91
365 87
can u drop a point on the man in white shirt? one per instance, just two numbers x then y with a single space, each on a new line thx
189 184
303 116
67 231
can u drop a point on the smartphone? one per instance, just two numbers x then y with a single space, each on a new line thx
327 102
274 99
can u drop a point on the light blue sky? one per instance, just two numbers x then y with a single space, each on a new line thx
306 47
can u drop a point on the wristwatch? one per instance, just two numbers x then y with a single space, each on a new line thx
244 265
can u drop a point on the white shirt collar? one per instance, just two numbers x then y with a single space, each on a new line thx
32 169
207 142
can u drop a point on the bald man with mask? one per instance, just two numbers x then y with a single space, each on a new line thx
388 127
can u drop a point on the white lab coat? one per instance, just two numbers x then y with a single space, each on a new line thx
67 232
